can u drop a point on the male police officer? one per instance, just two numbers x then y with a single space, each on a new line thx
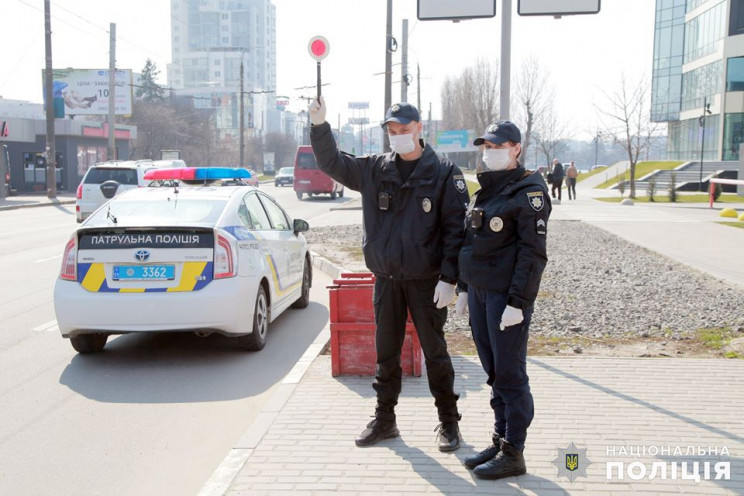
413 207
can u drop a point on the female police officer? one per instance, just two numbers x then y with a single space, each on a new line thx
501 263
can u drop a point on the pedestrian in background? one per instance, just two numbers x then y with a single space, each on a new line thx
558 175
571 174
413 208
501 264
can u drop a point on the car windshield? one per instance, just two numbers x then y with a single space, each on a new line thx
99 175
161 212
286 171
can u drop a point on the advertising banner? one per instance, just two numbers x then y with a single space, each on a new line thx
86 91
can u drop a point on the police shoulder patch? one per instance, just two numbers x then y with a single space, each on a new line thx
460 184
536 200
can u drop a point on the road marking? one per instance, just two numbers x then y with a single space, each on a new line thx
41 260
50 326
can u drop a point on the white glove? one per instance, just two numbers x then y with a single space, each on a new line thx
511 316
444 293
461 305
317 109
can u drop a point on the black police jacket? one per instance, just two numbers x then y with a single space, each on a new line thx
412 229
506 226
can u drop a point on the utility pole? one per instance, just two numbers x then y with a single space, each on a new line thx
242 118
112 92
51 154
504 94
404 77
388 68
418 86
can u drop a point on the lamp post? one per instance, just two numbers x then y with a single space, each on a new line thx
701 120
596 147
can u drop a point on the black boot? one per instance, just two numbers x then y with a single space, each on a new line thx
487 454
508 463
377 430
448 436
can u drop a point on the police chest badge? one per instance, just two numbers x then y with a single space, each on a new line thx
426 205
496 224
536 200
460 184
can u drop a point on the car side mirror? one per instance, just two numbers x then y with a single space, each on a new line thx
300 226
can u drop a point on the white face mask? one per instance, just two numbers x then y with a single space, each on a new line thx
402 144
496 159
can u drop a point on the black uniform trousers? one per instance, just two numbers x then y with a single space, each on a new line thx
503 355
393 298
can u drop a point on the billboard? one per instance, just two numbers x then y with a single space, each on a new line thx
437 10
557 7
458 140
86 91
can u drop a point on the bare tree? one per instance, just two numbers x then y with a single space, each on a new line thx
553 132
471 100
532 97
626 120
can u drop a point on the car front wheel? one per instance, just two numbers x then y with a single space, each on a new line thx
89 343
257 339
304 299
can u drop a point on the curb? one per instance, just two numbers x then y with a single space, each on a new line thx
39 204
219 482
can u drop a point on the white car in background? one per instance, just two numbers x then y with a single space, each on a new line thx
103 181
211 258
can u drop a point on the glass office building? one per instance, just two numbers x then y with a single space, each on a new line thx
699 61
211 40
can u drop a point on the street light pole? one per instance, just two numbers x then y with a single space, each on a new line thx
701 120
596 147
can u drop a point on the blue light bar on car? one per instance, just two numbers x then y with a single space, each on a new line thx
198 173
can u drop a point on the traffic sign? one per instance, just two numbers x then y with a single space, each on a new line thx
318 48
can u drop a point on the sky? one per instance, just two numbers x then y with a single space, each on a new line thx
583 55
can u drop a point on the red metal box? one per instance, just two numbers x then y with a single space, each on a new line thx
353 329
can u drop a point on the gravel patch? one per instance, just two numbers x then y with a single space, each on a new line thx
595 285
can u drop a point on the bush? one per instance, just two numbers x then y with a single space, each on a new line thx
717 190
651 189
673 188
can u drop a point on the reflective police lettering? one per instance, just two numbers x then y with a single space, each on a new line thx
666 451
177 238
635 451
623 451
610 450
631 470
653 450
725 451
723 470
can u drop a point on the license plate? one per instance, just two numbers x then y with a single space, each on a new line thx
305 182
144 272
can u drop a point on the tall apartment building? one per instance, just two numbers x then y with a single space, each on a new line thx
699 59
210 40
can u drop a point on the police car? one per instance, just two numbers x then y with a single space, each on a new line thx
209 258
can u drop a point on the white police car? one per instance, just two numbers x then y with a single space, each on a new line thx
209 258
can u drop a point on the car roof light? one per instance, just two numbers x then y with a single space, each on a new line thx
198 173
